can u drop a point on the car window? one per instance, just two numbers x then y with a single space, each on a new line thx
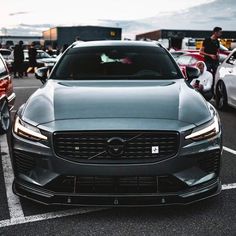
5 52
3 70
116 62
232 59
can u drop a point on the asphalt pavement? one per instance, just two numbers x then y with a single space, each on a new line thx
215 216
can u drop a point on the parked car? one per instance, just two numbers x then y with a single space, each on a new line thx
191 58
116 124
225 83
177 54
188 59
43 60
224 50
7 97
5 53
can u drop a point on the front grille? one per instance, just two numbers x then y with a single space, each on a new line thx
124 184
80 146
23 163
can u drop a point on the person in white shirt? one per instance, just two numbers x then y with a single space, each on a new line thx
204 82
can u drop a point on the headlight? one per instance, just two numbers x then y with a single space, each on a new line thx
27 131
206 131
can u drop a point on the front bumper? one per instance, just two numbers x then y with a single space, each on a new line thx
192 174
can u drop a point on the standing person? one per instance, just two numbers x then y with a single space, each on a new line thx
204 82
18 59
32 58
210 50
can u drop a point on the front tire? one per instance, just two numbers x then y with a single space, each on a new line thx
221 97
5 119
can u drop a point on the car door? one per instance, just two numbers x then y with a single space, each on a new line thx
230 78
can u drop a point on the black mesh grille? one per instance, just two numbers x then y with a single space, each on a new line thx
107 184
79 146
210 161
23 163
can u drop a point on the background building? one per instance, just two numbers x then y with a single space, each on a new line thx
59 36
175 37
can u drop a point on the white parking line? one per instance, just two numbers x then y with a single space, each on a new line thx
47 216
14 205
228 186
229 150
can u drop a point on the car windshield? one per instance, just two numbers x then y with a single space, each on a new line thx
120 62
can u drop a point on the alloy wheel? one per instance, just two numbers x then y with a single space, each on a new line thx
221 97
4 116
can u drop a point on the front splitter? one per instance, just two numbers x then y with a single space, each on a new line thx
46 197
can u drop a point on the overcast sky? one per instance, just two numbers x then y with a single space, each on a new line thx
76 12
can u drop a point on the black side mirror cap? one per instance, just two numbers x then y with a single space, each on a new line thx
192 72
42 74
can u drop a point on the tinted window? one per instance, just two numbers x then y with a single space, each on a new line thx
5 52
116 62
3 70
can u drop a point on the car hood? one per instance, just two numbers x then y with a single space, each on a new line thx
67 100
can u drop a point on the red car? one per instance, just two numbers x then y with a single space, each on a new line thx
7 97
191 59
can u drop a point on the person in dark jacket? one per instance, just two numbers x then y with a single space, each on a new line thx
18 60
32 58
210 50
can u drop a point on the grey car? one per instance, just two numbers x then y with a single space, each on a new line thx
116 124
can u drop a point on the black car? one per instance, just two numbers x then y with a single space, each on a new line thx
116 124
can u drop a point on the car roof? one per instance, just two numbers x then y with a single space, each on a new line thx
114 43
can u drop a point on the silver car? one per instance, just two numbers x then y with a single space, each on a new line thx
225 83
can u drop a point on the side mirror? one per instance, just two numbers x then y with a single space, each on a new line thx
192 72
42 74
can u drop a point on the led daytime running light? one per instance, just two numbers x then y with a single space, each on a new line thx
208 131
26 132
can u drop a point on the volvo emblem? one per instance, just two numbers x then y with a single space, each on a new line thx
115 146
